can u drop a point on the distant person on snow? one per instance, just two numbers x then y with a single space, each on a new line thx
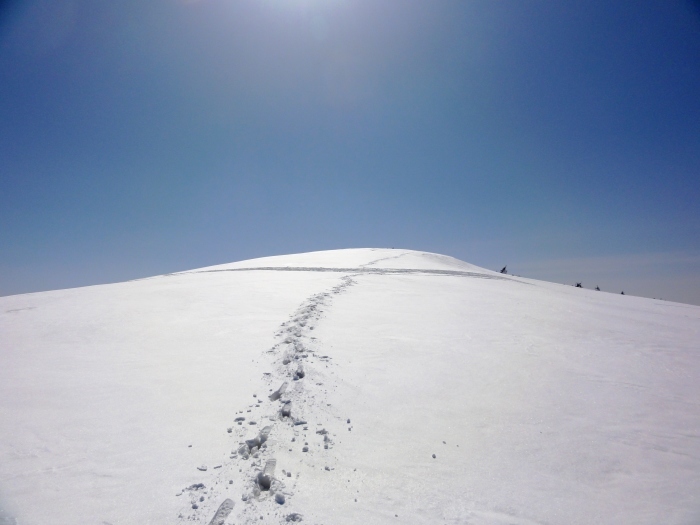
503 270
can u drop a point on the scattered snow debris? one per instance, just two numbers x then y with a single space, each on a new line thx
305 449
444 443
195 506
323 431
299 422
294 517
327 468
222 513
434 456
203 468
348 421
279 498
289 474
230 482
218 466
196 486
240 418
201 498
252 423
229 429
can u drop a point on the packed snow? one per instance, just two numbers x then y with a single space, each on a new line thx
348 387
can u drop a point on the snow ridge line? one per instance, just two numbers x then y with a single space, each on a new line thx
296 400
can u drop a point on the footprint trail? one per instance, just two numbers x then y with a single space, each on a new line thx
280 436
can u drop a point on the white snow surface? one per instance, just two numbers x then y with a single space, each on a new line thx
541 403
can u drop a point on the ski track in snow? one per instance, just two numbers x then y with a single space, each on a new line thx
360 270
287 429
372 263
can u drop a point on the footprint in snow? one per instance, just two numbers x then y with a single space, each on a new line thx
265 478
222 513
278 393
286 410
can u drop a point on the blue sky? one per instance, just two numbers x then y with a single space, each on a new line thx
559 138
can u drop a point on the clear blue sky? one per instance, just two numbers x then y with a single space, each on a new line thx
143 137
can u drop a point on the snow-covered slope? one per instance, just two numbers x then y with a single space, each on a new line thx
433 391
